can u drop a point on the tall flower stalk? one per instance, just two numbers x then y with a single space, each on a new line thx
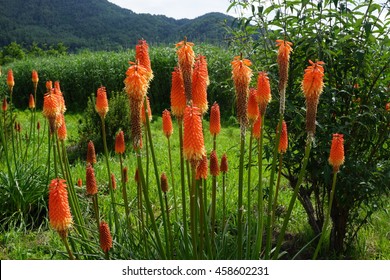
241 75
336 159
312 86
102 109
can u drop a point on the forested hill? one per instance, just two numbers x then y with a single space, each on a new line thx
99 24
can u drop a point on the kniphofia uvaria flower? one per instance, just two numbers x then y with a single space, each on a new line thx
336 157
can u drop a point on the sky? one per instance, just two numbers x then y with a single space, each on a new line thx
177 9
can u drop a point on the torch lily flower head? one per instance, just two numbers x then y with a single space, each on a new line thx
336 157
285 48
120 143
200 81
186 59
253 108
263 91
283 141
137 81
91 185
142 56
164 183
178 98
91 155
214 166
31 102
34 77
10 79
59 211
101 105
193 141
224 164
105 237
167 123
201 169
215 119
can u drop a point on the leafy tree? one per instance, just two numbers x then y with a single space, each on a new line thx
11 53
351 37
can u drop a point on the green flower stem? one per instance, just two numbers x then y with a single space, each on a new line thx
48 157
12 126
294 196
170 247
172 179
240 207
124 195
65 240
201 218
213 209
145 190
96 210
260 201
206 224
271 191
223 200
156 173
5 145
183 188
113 203
277 188
193 212
74 202
249 225
327 218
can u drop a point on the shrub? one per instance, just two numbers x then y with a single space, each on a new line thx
353 42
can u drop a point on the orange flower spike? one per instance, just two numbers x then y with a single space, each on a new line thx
283 141
59 211
224 164
387 107
120 143
167 123
62 132
49 85
284 51
312 86
136 81
263 92
215 119
214 166
241 75
113 181
336 157
201 169
193 141
257 127
51 109
135 123
178 98
186 59
31 102
57 86
253 108
101 105
105 237
91 155
4 106
34 77
142 56
10 80
91 186
79 182
143 111
164 183
200 80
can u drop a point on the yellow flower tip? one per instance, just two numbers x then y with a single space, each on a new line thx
336 157
101 105
91 186
167 123
105 237
201 169
193 141
164 183
120 143
59 212
214 166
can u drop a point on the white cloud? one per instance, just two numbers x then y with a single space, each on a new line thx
174 8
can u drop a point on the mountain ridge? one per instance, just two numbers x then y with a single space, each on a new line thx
99 24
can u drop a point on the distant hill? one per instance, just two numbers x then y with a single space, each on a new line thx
99 24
